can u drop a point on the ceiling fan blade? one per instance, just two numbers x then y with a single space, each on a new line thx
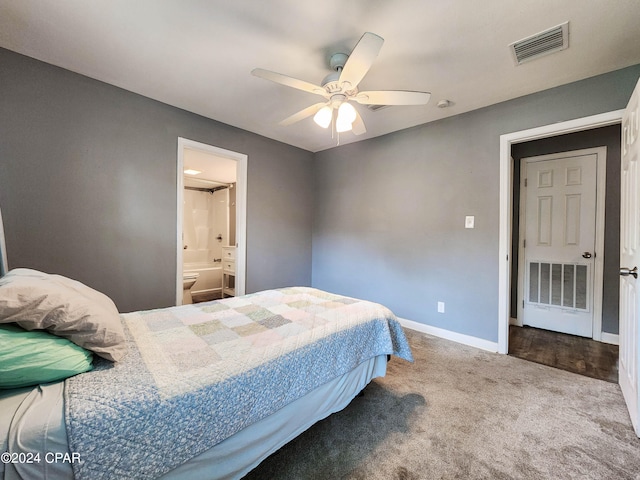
289 81
392 97
302 114
360 60
357 127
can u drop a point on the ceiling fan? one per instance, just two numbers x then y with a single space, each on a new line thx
340 87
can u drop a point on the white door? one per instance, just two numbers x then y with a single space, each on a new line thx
630 259
559 227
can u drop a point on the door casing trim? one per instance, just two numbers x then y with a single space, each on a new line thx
241 210
506 195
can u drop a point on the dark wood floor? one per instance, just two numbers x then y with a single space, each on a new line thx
566 352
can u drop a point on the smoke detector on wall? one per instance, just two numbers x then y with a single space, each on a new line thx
541 44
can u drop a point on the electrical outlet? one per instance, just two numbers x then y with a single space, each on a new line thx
440 307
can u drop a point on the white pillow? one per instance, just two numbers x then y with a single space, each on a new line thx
64 307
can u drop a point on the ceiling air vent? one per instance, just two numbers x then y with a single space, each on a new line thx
375 108
540 44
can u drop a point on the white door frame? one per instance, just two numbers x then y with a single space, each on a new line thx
241 210
598 261
506 193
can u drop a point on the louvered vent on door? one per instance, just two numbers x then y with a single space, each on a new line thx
559 285
544 43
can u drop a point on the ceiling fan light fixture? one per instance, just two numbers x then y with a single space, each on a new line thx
323 116
342 126
346 116
346 113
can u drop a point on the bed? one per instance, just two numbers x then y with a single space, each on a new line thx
201 391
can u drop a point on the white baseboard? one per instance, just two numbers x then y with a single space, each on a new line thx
612 338
449 335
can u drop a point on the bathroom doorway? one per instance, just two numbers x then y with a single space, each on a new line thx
211 222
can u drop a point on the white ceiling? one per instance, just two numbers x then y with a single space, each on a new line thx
198 54
212 167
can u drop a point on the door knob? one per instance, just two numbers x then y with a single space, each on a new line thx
625 272
586 255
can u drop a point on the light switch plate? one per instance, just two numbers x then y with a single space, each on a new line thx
469 221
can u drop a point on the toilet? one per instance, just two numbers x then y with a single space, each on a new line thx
188 279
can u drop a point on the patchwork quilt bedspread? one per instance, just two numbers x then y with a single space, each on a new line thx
197 374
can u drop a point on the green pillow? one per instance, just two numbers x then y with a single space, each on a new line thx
36 356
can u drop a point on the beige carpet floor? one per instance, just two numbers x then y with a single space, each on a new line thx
463 413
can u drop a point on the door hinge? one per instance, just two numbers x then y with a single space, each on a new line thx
524 243
525 182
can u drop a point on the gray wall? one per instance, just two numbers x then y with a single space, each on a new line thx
88 186
604 136
88 178
389 212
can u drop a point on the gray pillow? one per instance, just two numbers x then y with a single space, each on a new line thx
64 307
